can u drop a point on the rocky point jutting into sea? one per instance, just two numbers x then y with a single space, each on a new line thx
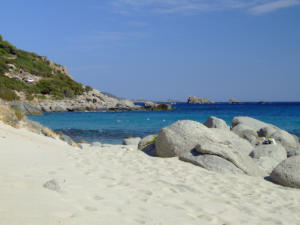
35 84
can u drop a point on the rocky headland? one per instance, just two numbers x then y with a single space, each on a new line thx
34 84
93 100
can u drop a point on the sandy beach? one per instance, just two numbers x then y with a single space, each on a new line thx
44 181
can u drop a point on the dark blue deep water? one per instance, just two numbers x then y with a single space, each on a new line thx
113 127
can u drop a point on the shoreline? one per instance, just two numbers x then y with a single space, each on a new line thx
46 181
141 123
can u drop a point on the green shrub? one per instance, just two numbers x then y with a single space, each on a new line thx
18 113
32 63
60 86
3 64
8 83
68 93
29 97
54 83
152 141
8 95
88 88
58 96
42 97
9 48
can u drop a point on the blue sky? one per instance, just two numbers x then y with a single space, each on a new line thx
160 49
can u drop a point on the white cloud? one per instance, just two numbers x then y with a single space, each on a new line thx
272 6
196 6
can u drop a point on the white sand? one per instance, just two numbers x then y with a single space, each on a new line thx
112 185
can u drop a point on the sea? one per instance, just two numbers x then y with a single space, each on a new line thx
113 127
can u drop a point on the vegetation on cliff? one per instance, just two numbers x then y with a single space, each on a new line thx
50 81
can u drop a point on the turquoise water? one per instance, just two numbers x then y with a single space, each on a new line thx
113 127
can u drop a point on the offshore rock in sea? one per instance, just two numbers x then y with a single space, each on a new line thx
163 107
197 100
148 105
234 101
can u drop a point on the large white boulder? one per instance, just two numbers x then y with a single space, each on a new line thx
287 173
210 162
228 151
268 156
251 123
186 134
274 151
214 122
287 140
247 133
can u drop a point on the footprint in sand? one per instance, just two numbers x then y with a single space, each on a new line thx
149 193
91 209
140 221
98 198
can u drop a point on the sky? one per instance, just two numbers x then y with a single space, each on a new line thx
166 49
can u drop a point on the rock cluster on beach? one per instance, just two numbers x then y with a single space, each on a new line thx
238 149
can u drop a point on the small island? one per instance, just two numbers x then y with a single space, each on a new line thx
197 100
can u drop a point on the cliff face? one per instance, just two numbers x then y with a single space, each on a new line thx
58 68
